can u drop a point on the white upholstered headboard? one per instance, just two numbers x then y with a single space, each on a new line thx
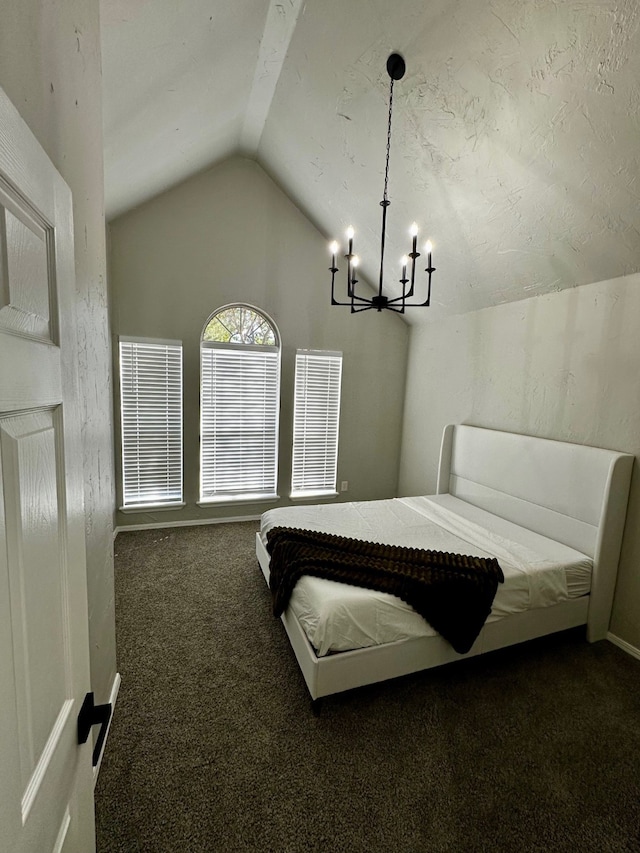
571 493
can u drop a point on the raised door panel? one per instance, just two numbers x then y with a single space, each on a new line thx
33 506
25 268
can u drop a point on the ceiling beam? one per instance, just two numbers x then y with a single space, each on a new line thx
280 24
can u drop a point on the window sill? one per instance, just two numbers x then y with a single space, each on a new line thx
305 496
154 507
230 500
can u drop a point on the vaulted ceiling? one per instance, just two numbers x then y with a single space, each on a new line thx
516 127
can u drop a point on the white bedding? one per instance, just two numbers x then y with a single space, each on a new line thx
336 617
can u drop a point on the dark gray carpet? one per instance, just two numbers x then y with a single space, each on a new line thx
213 746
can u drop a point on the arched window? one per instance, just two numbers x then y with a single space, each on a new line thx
239 405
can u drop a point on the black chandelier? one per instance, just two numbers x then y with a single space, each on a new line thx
395 69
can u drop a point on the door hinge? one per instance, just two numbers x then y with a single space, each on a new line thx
93 715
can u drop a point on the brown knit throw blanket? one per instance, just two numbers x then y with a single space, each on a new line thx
453 592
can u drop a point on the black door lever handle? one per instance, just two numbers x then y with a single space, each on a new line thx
93 715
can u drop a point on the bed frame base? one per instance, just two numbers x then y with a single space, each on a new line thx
336 673
570 493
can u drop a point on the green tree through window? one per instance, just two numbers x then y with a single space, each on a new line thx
240 324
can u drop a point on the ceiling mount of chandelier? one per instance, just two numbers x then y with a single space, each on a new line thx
395 68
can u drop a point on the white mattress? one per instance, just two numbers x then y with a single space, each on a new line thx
337 617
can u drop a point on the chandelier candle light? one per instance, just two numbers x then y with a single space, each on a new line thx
395 69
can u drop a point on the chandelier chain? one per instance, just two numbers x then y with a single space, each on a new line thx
386 171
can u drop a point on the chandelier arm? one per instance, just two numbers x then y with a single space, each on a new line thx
333 270
427 301
412 304
414 254
353 299
364 300
334 301
351 295
360 310
400 298
351 287
405 293
349 257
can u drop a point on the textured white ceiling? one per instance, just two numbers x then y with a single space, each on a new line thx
515 128
177 82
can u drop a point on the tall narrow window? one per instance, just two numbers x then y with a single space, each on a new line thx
239 406
151 422
316 418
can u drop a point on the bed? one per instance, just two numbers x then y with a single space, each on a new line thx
551 512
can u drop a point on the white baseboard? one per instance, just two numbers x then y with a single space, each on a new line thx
626 647
115 687
159 525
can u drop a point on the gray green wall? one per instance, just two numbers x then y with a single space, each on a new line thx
231 235
564 366
50 69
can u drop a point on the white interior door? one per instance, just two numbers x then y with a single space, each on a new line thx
46 790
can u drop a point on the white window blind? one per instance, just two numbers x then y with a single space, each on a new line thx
316 417
240 391
151 419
